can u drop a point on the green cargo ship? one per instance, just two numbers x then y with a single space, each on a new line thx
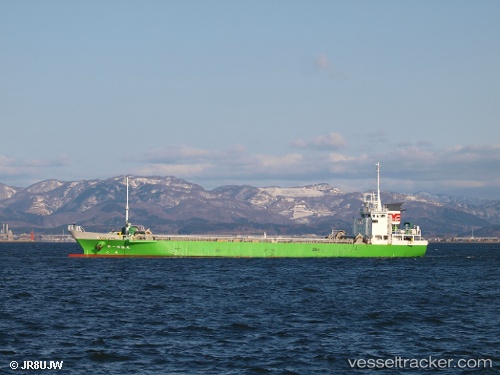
378 233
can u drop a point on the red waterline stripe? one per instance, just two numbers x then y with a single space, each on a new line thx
150 256
114 256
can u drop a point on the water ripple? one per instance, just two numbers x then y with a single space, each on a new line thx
246 316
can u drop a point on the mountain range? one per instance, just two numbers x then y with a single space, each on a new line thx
173 205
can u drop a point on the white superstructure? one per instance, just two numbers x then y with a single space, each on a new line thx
380 224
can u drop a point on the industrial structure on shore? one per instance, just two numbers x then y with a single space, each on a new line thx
7 235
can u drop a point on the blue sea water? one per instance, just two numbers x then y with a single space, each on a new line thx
250 316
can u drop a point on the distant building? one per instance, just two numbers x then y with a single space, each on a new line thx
6 234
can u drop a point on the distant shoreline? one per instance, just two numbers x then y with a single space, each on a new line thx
465 240
433 240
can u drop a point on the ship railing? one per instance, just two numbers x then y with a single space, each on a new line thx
75 228
407 237
252 239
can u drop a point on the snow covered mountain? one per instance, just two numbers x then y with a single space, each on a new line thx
170 204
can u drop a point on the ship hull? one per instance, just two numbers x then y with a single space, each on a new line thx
243 249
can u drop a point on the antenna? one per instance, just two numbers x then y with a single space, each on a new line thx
126 207
379 203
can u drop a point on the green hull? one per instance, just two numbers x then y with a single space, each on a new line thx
237 249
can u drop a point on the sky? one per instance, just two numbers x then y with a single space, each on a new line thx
253 92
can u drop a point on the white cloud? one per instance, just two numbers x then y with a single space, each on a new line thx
178 170
24 172
336 158
409 167
270 161
331 141
324 66
322 62
180 153
468 169
20 167
413 154
186 151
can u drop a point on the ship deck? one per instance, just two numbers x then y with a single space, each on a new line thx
206 238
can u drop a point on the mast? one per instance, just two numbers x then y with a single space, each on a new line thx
379 202
126 207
